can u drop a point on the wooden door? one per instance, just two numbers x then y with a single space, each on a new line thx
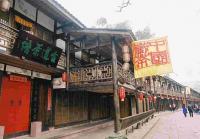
15 106
40 103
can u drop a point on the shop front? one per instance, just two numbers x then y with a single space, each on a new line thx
25 97
15 102
74 107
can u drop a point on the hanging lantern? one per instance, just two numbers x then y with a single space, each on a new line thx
126 57
64 77
122 93
141 96
125 49
5 5
125 67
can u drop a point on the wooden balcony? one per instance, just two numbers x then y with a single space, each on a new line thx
99 77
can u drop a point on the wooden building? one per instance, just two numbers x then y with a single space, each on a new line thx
32 54
39 45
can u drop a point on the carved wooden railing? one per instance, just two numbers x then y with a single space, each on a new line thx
131 120
8 36
97 73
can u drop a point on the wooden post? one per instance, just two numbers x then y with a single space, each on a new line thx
115 88
67 53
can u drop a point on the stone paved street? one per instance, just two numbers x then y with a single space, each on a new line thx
176 126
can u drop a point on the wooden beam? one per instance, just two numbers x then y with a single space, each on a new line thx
67 52
64 25
87 48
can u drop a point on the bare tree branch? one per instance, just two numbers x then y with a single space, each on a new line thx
124 4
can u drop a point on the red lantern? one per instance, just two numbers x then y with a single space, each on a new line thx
122 93
141 96
64 77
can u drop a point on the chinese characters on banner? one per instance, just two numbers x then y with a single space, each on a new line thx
32 48
151 57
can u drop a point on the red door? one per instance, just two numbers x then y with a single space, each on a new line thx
15 106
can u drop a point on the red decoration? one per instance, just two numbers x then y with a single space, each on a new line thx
49 99
122 93
141 96
64 77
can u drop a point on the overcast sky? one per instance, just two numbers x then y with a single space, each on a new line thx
178 19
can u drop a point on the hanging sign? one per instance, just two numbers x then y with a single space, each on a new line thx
41 75
23 22
58 83
32 48
151 57
2 67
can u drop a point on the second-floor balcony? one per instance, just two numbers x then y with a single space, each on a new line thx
99 75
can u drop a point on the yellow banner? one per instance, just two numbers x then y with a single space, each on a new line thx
151 57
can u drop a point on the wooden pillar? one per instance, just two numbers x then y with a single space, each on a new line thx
67 53
115 88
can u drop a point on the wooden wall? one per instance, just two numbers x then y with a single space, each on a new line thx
71 107
99 106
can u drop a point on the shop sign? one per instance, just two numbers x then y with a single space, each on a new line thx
2 67
41 75
62 62
26 9
18 78
17 70
35 49
58 83
23 22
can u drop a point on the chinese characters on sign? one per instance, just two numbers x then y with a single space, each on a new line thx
151 57
32 48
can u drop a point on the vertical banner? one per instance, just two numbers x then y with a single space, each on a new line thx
49 99
151 57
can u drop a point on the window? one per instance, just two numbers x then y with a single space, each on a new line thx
45 34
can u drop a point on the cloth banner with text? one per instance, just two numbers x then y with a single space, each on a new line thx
151 57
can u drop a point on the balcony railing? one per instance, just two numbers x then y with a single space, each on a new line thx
8 36
98 73
131 120
165 91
